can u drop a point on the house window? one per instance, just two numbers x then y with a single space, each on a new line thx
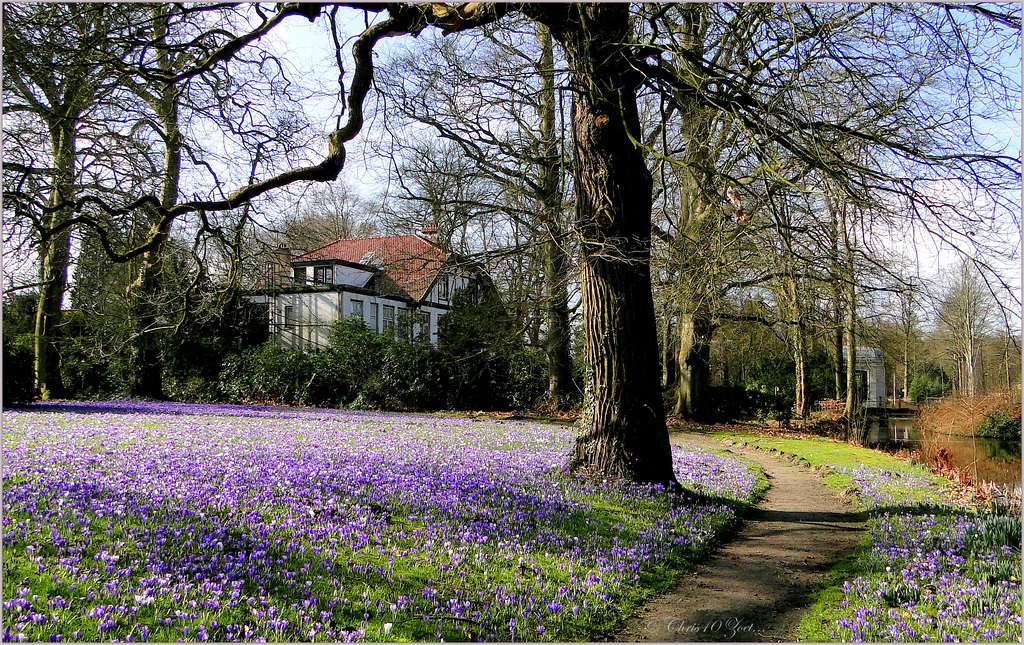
443 288
425 326
289 317
389 317
300 275
324 275
357 309
373 316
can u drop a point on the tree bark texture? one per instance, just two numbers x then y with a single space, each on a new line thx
694 332
835 285
697 284
850 322
145 362
669 369
802 403
850 331
837 349
556 338
54 252
623 433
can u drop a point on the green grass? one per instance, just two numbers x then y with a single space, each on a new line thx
817 624
913 491
834 454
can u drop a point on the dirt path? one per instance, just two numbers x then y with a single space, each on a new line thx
757 586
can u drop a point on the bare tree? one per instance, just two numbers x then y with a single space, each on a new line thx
499 168
966 312
322 214
147 56
51 79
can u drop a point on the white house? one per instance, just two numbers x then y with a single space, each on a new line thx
406 281
870 367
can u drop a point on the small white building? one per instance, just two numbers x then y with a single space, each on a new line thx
870 367
401 281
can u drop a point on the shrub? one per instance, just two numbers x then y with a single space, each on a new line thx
18 374
272 374
91 368
359 356
86 375
488 366
194 389
528 378
733 403
384 373
928 385
326 386
999 425
773 373
413 376
480 364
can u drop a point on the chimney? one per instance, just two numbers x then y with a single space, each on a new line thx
429 233
280 268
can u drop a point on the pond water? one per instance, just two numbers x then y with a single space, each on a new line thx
991 460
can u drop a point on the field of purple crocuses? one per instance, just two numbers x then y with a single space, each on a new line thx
167 522
937 572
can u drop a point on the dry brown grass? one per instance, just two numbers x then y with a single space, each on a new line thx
961 415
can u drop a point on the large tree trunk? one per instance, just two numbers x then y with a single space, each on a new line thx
850 324
694 332
802 403
54 251
698 281
623 433
145 362
669 370
556 338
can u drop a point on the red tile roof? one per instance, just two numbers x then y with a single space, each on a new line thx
411 261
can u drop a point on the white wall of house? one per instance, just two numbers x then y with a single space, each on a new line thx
445 286
870 361
435 317
302 320
376 317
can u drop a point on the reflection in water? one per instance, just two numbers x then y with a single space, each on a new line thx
984 459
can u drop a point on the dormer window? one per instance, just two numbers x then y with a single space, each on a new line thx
443 288
324 275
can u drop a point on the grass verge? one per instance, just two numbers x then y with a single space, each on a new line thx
926 570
